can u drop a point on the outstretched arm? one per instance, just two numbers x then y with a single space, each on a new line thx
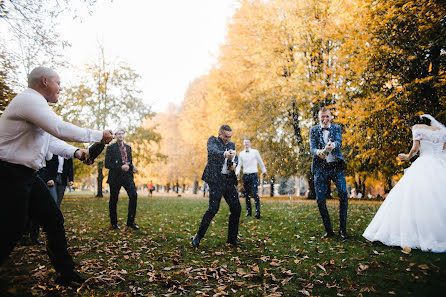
415 148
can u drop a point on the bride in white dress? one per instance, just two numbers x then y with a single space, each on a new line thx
414 213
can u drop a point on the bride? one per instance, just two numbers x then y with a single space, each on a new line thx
414 213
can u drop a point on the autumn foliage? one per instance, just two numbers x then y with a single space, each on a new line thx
375 63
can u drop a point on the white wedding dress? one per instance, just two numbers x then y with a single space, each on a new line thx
414 213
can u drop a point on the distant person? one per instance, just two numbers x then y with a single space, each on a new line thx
118 159
249 159
29 129
353 193
219 174
205 189
329 164
414 213
151 188
59 175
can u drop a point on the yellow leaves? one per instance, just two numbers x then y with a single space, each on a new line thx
406 250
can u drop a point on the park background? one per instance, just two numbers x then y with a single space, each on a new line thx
373 63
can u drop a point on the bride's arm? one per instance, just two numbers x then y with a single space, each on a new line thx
415 148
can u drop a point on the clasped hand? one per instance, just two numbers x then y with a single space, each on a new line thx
328 148
230 154
403 157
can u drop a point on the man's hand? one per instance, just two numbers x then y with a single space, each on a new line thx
233 167
330 146
107 136
230 154
135 170
320 154
50 183
125 167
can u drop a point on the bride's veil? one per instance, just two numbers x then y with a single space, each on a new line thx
434 122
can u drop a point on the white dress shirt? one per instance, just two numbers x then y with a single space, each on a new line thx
249 160
60 166
29 129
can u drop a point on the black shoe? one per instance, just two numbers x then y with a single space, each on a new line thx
248 214
257 216
343 234
195 241
133 226
116 227
328 234
66 279
235 243
37 242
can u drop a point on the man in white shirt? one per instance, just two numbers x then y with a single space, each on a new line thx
248 159
29 130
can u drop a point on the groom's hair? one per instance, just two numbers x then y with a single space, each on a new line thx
323 109
418 120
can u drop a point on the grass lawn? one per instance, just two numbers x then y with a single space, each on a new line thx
284 254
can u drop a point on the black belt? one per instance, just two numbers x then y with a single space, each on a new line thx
250 174
21 168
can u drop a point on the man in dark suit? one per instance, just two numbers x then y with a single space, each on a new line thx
59 173
118 158
220 176
329 164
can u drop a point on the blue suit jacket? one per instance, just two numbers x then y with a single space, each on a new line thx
317 143
212 171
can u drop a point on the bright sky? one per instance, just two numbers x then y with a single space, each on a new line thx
168 42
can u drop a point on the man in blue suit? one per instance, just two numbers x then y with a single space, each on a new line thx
220 176
329 164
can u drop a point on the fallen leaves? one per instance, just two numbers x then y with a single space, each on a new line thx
406 250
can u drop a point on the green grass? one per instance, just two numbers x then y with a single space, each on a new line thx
284 255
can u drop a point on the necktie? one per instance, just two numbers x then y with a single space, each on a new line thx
123 154
325 129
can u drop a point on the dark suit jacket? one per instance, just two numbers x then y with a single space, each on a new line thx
50 171
113 161
216 160
317 143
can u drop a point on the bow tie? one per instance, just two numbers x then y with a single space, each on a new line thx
325 129
247 151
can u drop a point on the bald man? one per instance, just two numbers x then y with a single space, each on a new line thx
29 132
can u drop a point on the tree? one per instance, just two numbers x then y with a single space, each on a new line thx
6 93
403 75
32 38
107 95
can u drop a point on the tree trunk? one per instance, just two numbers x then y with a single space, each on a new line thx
311 189
271 193
100 179
195 186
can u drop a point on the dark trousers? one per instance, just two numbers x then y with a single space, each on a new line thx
60 189
226 188
115 187
25 195
321 183
250 184
31 232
